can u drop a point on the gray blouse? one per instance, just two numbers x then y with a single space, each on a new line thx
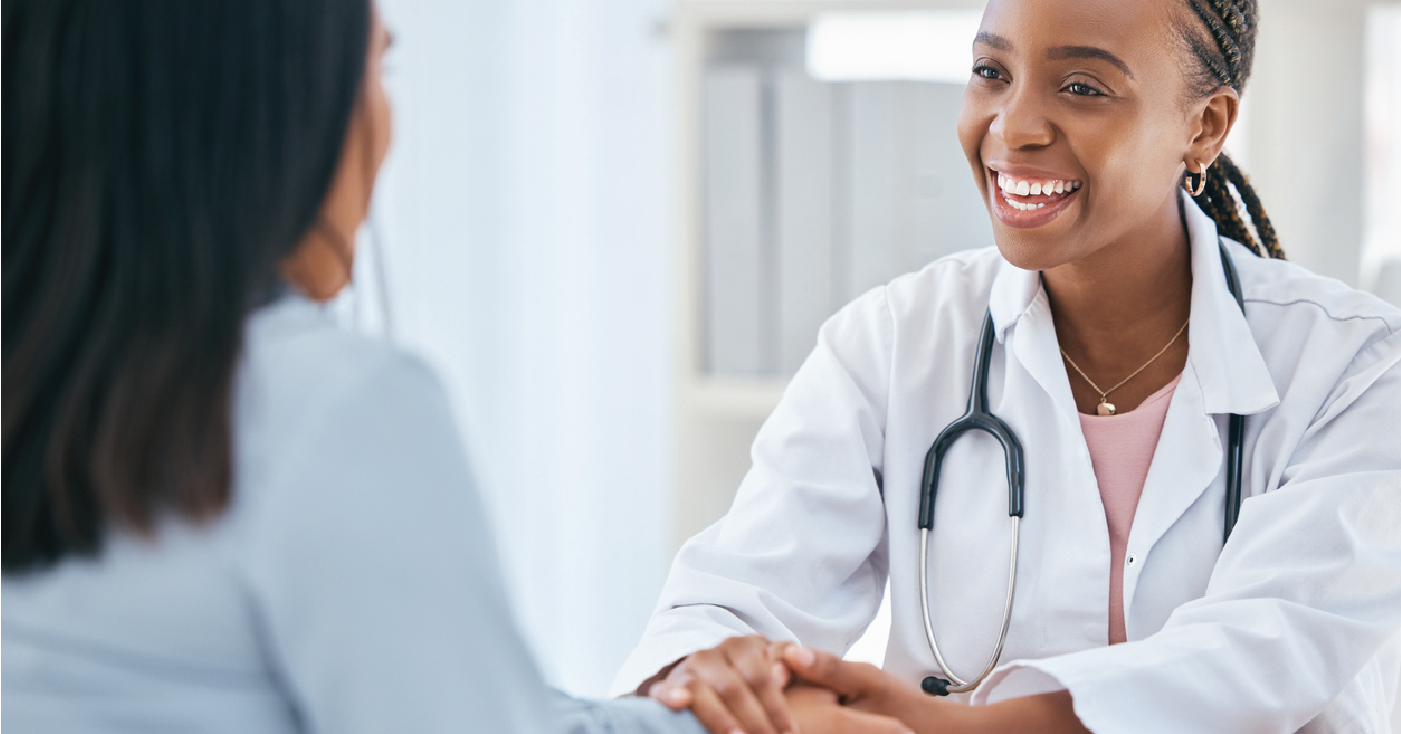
351 586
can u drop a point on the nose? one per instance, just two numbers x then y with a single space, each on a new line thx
1021 122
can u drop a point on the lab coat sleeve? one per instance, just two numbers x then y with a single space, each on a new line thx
376 582
1304 595
800 555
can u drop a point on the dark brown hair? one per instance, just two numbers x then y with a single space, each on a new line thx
160 157
1220 38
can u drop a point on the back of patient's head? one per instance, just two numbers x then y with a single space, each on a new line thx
160 157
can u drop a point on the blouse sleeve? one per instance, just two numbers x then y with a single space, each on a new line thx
1303 598
800 555
374 575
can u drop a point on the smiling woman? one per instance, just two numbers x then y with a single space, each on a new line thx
1136 310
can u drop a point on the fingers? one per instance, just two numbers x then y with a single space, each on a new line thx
777 652
764 678
713 713
851 680
738 694
733 688
674 697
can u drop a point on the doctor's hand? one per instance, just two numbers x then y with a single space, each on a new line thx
819 711
868 688
736 687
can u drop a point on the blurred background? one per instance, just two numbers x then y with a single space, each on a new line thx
614 226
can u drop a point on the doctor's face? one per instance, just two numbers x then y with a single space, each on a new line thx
1076 123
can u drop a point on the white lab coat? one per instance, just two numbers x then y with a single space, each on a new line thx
1295 621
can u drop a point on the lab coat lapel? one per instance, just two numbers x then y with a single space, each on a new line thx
1228 365
1225 373
1017 298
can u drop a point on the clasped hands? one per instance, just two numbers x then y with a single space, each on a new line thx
748 685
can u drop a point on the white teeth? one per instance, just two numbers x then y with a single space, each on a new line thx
1025 207
1034 188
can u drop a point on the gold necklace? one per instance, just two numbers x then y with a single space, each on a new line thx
1105 407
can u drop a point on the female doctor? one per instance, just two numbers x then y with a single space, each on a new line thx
1117 354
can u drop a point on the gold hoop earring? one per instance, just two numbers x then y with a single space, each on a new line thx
1195 183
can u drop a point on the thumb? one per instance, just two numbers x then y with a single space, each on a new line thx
850 680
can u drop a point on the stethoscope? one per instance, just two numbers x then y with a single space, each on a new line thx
979 418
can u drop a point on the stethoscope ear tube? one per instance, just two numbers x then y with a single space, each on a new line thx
1235 430
977 418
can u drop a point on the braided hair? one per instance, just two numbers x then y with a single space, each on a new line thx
1223 56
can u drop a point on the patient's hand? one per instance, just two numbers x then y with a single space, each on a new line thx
736 687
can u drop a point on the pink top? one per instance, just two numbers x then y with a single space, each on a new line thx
1121 449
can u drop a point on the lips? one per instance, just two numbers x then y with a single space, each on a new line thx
1023 200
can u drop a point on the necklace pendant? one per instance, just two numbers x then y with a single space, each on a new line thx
1105 407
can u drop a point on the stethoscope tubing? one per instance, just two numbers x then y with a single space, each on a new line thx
979 418
960 685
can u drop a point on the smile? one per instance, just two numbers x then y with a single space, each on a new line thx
1026 187
1030 201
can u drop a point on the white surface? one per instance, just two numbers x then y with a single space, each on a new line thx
805 202
1383 157
1267 628
526 214
925 46
1306 158
735 268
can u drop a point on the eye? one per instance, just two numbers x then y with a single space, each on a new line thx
1081 89
987 72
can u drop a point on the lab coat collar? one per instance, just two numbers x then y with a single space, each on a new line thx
1223 355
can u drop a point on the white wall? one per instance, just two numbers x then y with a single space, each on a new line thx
524 212
1306 136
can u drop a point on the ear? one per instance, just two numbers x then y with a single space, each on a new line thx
1212 120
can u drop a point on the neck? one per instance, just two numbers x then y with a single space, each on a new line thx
1124 290
1118 306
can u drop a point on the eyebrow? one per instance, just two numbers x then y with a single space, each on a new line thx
1088 52
994 40
1059 52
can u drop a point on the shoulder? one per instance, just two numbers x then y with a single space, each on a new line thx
304 381
1291 308
954 281
293 350
1285 290
1325 342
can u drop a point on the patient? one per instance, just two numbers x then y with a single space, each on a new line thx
220 513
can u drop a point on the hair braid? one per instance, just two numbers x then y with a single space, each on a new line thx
1225 45
1218 203
1231 25
1253 207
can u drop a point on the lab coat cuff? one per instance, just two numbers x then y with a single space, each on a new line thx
1063 673
1014 680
